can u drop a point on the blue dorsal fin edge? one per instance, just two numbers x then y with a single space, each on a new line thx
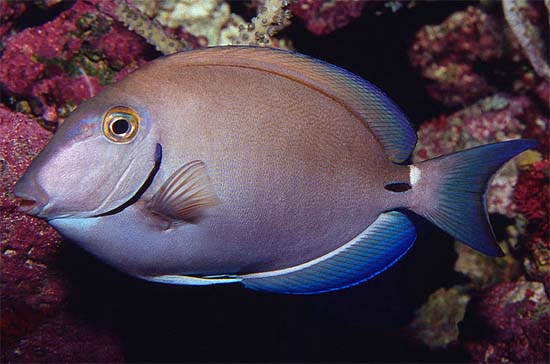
384 118
374 250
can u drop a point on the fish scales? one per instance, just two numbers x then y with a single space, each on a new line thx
315 180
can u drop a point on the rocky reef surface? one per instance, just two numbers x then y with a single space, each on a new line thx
484 65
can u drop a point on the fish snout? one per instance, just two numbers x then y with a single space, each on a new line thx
32 195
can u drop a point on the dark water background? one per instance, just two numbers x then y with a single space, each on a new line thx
161 323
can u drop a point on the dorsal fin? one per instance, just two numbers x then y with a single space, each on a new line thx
381 115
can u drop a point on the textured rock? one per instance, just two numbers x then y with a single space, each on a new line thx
62 62
484 271
531 196
324 17
436 322
517 315
446 55
470 55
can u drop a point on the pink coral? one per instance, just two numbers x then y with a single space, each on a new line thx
518 316
60 63
53 40
471 55
324 17
120 46
492 119
532 192
446 54
63 87
9 11
531 195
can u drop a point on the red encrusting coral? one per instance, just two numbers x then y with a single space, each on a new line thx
532 192
470 55
447 53
531 195
324 17
10 11
517 314
68 59
32 46
119 46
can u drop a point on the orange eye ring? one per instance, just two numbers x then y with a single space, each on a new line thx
120 124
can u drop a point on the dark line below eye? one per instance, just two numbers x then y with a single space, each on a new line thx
142 189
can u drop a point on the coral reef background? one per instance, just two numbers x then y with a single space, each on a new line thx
466 73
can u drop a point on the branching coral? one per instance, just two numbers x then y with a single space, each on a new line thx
272 17
151 30
527 34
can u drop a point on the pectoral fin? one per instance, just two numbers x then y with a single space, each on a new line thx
186 195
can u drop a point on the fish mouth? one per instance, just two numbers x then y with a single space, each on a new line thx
32 199
142 189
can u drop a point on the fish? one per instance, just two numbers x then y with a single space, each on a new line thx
258 166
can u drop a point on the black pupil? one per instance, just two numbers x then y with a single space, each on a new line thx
120 126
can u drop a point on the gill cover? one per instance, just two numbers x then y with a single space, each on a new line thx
98 159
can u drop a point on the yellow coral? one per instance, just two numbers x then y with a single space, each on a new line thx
151 31
272 17
527 158
211 19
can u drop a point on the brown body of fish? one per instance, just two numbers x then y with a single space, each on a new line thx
297 162
297 172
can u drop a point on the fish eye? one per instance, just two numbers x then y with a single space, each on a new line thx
120 124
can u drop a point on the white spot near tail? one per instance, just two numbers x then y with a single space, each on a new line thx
414 175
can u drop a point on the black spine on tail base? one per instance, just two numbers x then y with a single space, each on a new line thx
458 182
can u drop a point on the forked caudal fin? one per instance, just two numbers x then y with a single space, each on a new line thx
451 191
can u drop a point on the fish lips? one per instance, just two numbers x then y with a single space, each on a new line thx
33 198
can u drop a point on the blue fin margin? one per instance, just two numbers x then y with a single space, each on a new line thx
376 249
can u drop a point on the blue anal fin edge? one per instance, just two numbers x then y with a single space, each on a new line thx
374 250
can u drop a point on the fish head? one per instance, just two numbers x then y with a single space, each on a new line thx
97 161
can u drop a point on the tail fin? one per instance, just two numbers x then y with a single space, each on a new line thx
451 191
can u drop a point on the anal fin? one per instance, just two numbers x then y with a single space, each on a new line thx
374 250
